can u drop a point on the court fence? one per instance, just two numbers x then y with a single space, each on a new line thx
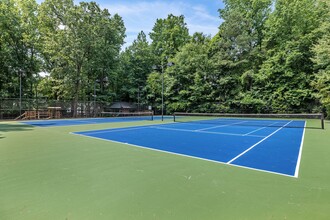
13 108
37 108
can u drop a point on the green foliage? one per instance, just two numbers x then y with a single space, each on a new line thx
51 88
248 103
236 53
285 76
81 46
168 35
321 60
268 56
154 88
19 46
190 82
136 63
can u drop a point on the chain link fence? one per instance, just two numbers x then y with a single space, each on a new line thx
14 108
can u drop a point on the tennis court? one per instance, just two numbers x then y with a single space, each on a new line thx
193 168
266 145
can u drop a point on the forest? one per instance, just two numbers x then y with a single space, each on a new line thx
269 56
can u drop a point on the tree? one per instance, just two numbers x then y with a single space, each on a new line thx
136 61
19 46
190 83
167 36
236 53
321 58
81 45
285 76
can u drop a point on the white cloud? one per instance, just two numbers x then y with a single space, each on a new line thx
142 15
202 13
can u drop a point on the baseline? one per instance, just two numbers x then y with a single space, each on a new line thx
300 152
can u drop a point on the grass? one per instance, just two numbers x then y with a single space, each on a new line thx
48 173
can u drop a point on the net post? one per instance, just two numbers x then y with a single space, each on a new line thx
322 121
152 115
174 116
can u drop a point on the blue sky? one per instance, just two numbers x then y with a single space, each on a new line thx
200 15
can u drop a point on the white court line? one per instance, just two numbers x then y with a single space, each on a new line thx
260 129
300 152
164 128
183 155
206 132
250 148
220 126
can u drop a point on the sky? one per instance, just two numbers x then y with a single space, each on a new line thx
200 15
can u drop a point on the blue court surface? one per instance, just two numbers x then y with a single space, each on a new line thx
83 121
233 142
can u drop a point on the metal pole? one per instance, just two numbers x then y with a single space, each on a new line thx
37 102
94 99
162 92
322 121
20 92
138 98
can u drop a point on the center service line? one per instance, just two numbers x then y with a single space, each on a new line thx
219 126
244 152
260 129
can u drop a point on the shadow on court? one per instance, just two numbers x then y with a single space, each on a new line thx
13 128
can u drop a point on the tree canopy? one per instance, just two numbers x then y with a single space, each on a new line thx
268 56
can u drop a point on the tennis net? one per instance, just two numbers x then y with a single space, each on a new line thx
149 115
263 120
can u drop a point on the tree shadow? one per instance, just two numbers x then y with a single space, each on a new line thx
13 128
